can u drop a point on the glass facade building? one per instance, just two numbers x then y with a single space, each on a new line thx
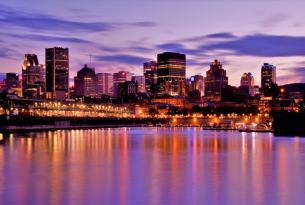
57 73
171 72
268 75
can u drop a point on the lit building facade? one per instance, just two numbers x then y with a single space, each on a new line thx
196 82
150 74
127 88
171 72
268 78
216 79
33 77
85 83
140 80
120 77
105 84
57 73
247 83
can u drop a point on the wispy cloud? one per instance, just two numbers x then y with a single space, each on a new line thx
274 20
43 22
261 45
122 58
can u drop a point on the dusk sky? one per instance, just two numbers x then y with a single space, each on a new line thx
121 35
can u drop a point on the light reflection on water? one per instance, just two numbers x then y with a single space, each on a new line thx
151 166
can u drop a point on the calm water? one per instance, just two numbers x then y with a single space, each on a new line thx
151 166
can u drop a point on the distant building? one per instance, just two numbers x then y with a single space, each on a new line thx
12 84
268 75
33 77
11 81
247 83
171 73
85 83
196 82
57 73
140 80
127 88
120 77
104 84
215 81
150 74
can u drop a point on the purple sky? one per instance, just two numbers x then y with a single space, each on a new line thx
122 34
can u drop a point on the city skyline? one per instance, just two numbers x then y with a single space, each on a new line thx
241 44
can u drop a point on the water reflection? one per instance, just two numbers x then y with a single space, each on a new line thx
151 166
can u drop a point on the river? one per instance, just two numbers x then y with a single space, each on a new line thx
151 166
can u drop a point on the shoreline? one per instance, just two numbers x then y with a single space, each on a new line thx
41 128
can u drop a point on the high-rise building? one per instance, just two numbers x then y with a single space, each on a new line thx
33 77
57 73
215 81
268 75
150 74
127 88
85 83
120 77
105 84
11 81
196 82
171 73
140 80
247 83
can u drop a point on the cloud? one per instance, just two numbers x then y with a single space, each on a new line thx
8 53
121 58
274 20
224 35
261 45
216 36
177 47
48 38
39 22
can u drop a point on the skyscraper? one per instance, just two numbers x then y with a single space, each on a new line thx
215 81
57 73
33 77
268 75
247 83
85 83
171 74
104 84
150 74
120 77
140 80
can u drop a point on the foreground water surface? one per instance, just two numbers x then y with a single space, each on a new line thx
151 166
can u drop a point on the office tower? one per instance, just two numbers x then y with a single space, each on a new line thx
150 74
196 82
33 77
215 81
11 81
247 83
171 74
120 77
57 73
140 80
104 84
127 88
85 83
268 78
